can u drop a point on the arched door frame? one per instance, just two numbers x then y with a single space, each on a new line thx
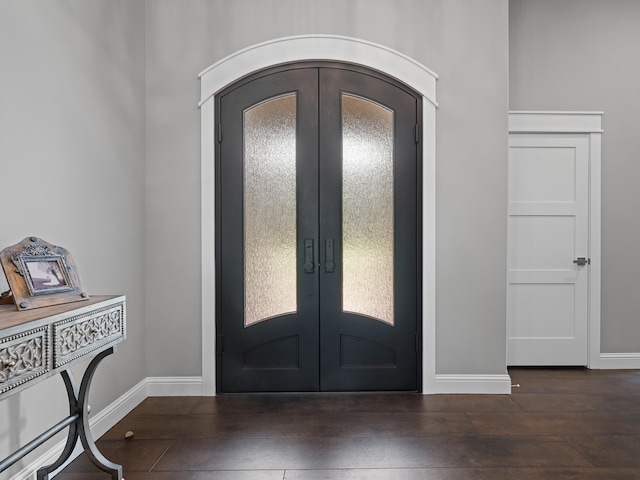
305 48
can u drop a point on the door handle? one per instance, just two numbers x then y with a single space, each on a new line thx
330 264
308 255
581 261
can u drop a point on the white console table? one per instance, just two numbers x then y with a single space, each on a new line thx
36 344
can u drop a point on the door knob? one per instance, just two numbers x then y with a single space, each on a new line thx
581 261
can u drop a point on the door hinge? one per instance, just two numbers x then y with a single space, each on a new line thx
418 343
220 344
417 133
219 133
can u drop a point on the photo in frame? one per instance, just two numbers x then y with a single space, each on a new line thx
46 275
40 274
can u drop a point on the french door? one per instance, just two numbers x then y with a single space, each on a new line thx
317 232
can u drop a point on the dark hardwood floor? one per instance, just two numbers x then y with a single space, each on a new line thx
559 424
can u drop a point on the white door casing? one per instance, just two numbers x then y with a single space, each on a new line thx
303 48
554 219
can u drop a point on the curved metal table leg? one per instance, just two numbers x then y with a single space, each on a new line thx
78 404
72 435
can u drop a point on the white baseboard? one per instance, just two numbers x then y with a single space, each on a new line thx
102 421
174 386
619 361
473 384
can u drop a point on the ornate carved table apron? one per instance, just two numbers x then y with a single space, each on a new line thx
36 344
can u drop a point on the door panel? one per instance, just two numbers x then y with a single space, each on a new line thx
548 230
330 303
276 349
368 331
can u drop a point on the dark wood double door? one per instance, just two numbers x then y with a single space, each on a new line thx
317 232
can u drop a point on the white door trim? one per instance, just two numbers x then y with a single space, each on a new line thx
589 124
317 47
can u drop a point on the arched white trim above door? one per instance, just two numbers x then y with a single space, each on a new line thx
318 47
305 48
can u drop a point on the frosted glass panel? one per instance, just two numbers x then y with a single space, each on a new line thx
367 208
270 209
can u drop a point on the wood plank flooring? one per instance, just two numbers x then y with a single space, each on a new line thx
559 424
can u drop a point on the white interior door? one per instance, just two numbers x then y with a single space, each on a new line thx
548 228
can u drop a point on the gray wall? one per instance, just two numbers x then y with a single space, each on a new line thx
464 41
583 55
100 153
72 165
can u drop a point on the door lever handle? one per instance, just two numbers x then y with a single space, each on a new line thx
581 261
330 264
308 255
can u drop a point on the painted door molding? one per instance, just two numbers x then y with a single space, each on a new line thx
584 127
303 48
